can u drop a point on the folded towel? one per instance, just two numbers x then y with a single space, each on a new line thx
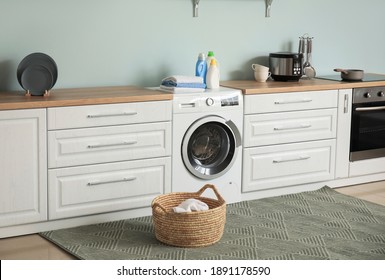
183 85
191 204
177 79
181 89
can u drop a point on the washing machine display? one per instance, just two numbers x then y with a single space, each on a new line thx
209 147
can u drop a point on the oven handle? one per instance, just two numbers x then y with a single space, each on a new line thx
363 109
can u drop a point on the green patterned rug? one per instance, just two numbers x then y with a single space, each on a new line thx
321 224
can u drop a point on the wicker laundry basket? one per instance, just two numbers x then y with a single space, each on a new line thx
189 229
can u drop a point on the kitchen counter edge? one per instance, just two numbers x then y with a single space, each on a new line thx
253 87
125 94
81 96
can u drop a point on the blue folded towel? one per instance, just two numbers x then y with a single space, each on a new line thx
184 82
184 85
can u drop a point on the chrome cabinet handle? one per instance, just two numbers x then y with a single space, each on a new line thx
96 183
364 109
292 127
291 159
112 115
282 102
346 103
111 145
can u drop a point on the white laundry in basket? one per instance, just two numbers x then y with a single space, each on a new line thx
190 205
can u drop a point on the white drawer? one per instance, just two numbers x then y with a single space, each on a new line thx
110 187
286 165
107 144
108 114
289 127
294 101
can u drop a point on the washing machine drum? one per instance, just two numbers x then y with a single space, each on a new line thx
210 146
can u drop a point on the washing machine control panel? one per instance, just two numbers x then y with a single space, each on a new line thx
221 101
230 101
210 101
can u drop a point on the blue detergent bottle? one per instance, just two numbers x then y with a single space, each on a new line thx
201 67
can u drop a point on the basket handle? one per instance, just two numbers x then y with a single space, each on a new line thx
156 204
209 186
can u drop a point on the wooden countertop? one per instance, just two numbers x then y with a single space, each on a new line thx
253 87
81 96
124 94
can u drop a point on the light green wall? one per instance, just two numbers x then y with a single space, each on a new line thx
120 42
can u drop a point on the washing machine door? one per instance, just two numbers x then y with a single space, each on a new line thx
210 147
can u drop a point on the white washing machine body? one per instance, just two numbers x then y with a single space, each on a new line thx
207 142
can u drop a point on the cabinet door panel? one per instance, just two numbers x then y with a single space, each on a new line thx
107 144
23 168
295 101
93 189
289 127
108 114
287 165
343 133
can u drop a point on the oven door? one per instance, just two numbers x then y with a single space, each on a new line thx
368 131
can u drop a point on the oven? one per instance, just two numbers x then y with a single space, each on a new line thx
367 138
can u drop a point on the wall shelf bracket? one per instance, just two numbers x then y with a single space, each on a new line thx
196 7
268 7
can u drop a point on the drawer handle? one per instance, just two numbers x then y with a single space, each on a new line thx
305 100
111 145
111 181
292 127
112 115
291 159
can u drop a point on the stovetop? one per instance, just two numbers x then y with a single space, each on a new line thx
367 78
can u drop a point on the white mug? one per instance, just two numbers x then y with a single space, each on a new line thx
261 76
258 67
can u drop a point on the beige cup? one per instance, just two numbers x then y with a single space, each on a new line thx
261 75
259 67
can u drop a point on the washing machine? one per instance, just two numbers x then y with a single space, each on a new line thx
207 142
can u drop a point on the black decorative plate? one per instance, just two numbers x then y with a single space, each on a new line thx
36 79
38 59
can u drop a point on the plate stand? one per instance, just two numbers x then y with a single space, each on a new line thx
46 93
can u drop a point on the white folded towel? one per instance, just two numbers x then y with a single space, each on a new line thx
191 204
180 79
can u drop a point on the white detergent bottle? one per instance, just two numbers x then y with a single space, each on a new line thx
209 57
212 78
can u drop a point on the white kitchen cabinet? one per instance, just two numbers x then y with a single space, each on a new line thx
289 127
108 114
286 165
115 157
289 139
343 133
293 101
108 187
23 167
73 147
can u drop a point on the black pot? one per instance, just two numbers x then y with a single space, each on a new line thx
351 74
